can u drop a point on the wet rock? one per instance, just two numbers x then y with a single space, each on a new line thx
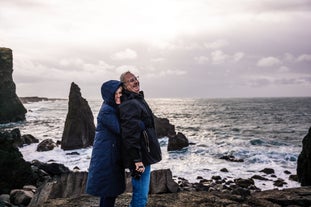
177 142
46 145
304 161
244 183
11 108
279 182
293 178
231 158
79 130
28 139
267 171
258 177
164 128
224 170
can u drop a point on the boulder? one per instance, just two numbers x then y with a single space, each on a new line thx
164 128
46 145
11 108
28 139
161 181
21 197
15 171
177 142
79 130
304 161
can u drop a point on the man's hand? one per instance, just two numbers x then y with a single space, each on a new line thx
139 167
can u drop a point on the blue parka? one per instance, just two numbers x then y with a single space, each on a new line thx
106 172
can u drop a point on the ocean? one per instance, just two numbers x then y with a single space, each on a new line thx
264 132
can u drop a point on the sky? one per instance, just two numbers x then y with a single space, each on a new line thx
178 48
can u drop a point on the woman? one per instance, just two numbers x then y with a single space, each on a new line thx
106 173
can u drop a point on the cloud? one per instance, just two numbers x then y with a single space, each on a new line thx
127 54
238 56
218 44
218 57
201 59
304 57
268 62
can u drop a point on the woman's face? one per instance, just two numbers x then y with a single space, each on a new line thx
118 95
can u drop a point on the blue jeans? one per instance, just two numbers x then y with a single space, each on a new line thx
141 189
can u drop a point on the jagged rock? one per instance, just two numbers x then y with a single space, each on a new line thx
177 142
161 181
11 108
304 161
46 145
15 171
79 130
69 185
164 128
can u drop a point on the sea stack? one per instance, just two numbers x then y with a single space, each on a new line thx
79 127
304 161
11 108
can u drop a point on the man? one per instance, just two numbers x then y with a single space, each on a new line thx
141 146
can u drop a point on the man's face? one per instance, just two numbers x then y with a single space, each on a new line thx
131 83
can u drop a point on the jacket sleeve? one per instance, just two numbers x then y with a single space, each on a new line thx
131 127
108 119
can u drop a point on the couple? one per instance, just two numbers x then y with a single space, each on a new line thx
125 138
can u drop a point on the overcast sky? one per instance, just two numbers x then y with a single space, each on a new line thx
179 48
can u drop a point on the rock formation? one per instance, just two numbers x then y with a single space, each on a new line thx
15 171
79 130
177 142
304 161
11 108
164 128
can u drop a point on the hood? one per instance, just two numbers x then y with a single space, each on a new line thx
108 90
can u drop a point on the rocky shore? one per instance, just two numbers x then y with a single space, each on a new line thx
276 198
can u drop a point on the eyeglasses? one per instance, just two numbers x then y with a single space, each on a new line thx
133 79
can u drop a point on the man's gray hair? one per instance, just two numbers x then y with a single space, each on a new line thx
122 77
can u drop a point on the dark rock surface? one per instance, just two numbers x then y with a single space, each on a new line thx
11 108
177 142
161 181
304 161
15 172
79 130
164 128
46 145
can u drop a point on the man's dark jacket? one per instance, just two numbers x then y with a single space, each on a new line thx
138 131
